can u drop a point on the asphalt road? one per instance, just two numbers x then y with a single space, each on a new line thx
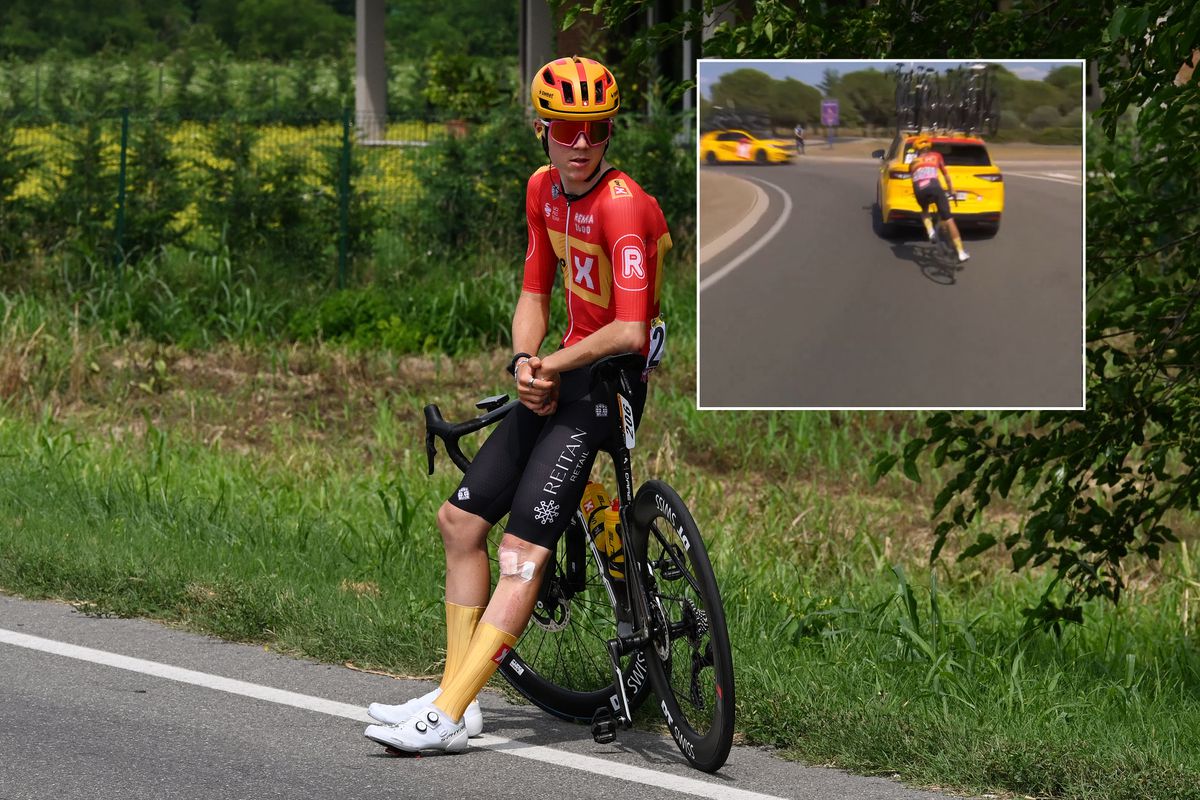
112 708
810 308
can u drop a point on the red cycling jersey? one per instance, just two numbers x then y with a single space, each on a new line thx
609 245
925 168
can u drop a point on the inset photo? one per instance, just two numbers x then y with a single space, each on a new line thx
881 234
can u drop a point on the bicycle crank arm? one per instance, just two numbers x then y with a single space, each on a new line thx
623 717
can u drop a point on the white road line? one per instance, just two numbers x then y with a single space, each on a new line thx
598 766
757 208
1053 177
754 248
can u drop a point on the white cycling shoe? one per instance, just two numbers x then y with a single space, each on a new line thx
429 729
963 256
394 715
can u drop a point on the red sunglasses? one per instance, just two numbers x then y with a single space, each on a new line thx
566 131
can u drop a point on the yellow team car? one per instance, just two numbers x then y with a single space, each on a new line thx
978 184
741 147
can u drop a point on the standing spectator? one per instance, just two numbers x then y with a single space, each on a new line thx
799 132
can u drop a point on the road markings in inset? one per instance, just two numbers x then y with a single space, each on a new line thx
1055 177
754 248
547 755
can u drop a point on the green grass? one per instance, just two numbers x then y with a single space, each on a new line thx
273 491
846 653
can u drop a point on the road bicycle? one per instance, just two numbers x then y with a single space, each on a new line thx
597 643
972 99
919 102
944 253
964 99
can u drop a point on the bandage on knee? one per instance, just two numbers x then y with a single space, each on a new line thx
514 563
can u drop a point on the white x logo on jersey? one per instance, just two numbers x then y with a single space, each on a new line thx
583 272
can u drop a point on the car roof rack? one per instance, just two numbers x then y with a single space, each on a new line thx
939 132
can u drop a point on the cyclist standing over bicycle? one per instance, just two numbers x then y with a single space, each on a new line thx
925 169
590 223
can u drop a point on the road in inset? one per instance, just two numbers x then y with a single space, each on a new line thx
826 313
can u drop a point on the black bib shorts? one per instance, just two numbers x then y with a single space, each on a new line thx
933 194
537 467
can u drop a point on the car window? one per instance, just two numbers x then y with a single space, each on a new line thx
732 136
963 155
955 154
891 153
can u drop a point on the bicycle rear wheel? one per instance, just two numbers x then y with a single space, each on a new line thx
690 662
561 662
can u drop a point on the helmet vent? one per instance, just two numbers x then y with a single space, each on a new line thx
583 91
568 92
599 91
548 76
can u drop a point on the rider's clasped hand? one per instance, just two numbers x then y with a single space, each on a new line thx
537 386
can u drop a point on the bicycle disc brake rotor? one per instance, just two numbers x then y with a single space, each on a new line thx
554 614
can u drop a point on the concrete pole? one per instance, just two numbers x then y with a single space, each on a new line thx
689 73
536 41
370 70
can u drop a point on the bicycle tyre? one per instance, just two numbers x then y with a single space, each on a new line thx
567 672
689 637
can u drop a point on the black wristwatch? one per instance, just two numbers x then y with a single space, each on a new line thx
512 365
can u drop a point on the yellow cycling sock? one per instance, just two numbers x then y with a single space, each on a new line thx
928 226
460 627
487 650
958 244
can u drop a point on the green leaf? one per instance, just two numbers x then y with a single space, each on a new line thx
985 542
939 539
1020 557
913 448
911 472
943 497
1116 24
883 465
1137 22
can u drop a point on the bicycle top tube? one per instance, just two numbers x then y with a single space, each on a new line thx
610 369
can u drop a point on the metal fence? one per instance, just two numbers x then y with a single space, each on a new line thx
121 185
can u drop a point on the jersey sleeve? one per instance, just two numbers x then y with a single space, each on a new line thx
631 248
539 257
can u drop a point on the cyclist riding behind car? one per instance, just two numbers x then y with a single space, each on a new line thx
595 230
924 170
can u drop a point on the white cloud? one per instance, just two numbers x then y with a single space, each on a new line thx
1027 72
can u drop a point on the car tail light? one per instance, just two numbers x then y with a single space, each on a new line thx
991 178
897 174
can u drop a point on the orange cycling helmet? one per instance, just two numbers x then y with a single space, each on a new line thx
575 88
922 143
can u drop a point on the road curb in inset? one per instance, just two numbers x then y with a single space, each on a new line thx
757 209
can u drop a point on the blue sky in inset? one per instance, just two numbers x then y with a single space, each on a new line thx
811 72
